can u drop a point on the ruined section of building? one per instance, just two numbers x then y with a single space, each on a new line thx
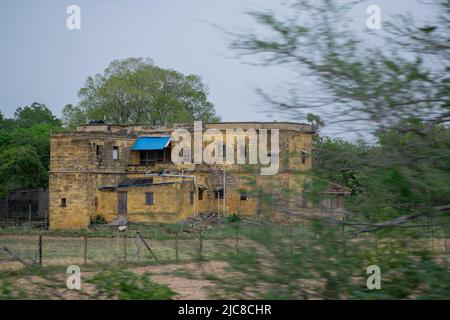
116 171
24 204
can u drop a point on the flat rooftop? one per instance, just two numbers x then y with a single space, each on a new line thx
135 130
101 127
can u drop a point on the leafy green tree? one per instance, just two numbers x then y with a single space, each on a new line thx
6 124
134 90
37 113
73 116
20 167
25 148
397 92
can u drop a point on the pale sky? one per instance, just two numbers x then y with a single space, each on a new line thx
41 60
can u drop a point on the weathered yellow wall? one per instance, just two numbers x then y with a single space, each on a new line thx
171 203
77 171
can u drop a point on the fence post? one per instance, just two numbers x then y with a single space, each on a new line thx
85 247
138 247
147 246
6 216
125 247
201 242
237 239
29 215
176 246
40 250
343 235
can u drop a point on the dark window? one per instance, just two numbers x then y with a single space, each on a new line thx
243 195
97 150
152 156
115 153
149 198
303 156
200 194
191 197
224 151
218 194
63 203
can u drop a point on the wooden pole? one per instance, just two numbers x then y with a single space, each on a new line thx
29 215
6 216
343 235
237 239
40 250
176 246
85 248
201 242
125 247
16 257
138 248
146 245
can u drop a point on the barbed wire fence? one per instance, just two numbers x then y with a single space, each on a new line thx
132 246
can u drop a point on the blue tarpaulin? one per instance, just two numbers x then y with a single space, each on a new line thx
151 143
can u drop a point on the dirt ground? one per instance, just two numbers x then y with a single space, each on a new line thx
187 280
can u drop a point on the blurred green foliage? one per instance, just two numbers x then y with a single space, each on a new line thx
25 148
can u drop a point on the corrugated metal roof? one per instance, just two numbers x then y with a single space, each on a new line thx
136 182
151 143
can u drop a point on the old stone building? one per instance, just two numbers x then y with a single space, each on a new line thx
115 171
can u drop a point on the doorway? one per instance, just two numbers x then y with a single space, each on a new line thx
122 203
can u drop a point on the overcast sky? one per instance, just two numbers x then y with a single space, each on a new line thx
41 60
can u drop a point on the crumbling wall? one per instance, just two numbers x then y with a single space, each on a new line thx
171 203
81 162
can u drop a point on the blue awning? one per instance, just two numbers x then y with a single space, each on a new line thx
151 143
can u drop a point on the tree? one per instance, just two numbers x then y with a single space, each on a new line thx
134 90
20 168
73 116
5 123
356 84
397 91
37 113
25 148
315 121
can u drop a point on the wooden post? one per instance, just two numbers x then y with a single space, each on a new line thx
176 246
237 239
201 242
40 250
146 245
125 247
343 235
29 215
138 248
85 248
16 257
6 216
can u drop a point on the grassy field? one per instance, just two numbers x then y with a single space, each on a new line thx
230 260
